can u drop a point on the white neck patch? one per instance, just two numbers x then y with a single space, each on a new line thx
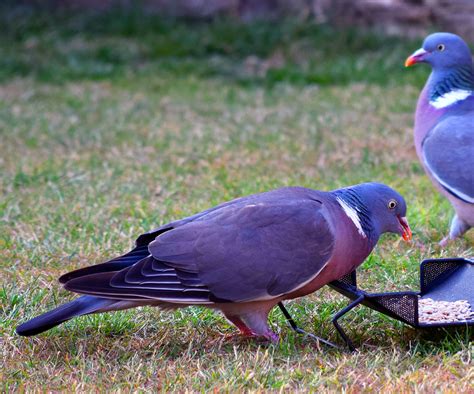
352 214
450 98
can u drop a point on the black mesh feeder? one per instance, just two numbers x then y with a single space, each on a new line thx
441 280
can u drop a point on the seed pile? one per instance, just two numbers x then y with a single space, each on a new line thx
431 311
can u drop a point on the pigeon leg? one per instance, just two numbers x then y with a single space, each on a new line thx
257 322
458 228
253 324
237 321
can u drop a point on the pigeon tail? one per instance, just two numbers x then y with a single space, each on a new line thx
81 306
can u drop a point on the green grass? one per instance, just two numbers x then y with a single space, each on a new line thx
113 124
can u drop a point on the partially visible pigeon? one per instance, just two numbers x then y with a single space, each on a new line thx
241 257
444 124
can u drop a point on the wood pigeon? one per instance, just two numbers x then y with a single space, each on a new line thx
444 124
241 257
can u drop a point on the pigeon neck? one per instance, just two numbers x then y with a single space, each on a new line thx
447 87
358 213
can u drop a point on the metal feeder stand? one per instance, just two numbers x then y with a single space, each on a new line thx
450 279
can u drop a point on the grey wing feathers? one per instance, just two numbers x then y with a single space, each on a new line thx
148 279
449 154
97 279
253 251
110 266
136 254
137 276
253 248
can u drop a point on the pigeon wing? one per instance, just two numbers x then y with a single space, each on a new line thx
449 155
242 252
141 246
249 252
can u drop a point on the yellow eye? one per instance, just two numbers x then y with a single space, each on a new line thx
441 47
392 204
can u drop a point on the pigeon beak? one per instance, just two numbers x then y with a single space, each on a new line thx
415 57
405 228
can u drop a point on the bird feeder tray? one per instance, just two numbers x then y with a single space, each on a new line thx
441 280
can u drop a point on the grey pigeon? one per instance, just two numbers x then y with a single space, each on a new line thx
444 124
241 257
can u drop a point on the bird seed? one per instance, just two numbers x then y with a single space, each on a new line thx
431 311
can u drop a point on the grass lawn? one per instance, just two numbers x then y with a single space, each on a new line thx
111 125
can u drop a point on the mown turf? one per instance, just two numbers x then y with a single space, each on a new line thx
114 124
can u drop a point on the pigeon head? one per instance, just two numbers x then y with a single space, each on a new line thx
452 79
375 209
443 51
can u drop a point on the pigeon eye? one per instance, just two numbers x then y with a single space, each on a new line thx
441 47
392 204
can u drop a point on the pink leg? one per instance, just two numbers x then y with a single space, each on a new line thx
244 330
254 324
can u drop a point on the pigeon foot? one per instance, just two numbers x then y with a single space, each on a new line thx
272 337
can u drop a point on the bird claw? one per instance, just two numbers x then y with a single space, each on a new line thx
272 337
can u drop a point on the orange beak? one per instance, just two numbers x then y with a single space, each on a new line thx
410 61
406 234
415 57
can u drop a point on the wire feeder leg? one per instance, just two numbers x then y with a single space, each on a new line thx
341 313
295 327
